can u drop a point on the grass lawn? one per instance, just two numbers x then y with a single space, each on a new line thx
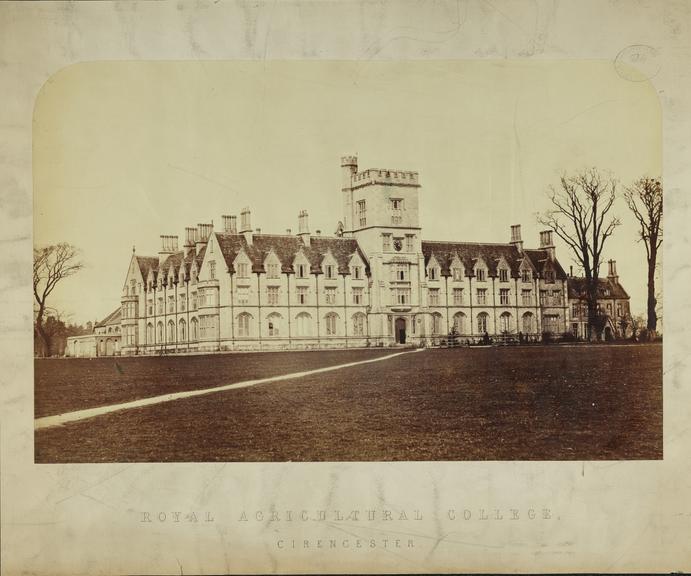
65 385
522 403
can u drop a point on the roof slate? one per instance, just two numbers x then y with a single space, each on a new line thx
470 252
577 289
112 318
287 248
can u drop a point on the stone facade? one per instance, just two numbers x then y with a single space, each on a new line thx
376 282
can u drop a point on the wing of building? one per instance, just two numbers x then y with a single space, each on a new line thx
376 282
612 302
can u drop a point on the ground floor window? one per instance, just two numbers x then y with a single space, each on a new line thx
243 325
436 323
505 322
159 331
482 322
183 331
550 323
528 324
331 321
273 322
171 331
359 325
149 333
459 322
194 329
303 324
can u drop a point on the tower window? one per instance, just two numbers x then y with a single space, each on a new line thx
362 212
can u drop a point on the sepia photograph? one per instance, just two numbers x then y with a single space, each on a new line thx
348 261
345 287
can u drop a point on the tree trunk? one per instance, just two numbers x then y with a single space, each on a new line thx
43 337
652 301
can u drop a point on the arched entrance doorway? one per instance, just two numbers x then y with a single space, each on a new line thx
400 330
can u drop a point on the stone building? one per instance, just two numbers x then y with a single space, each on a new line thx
376 282
103 341
612 302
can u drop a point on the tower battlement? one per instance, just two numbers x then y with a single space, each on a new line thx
385 176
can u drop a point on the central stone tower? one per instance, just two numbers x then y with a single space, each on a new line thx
380 210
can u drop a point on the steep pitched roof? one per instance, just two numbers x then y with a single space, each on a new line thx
539 258
286 248
146 263
470 252
112 318
577 288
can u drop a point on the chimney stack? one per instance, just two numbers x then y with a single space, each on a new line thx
303 224
612 273
246 224
203 233
516 237
190 239
169 245
289 231
230 224
546 243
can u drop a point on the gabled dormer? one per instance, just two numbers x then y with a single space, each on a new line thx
526 271
182 275
151 279
503 270
329 267
272 265
433 269
480 270
456 269
194 272
172 276
242 265
301 265
549 272
357 267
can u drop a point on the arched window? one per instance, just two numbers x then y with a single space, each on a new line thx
505 322
331 323
159 332
528 325
243 325
482 322
359 324
273 324
459 322
436 323
150 333
303 324
183 330
194 329
171 331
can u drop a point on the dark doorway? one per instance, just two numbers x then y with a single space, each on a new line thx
400 330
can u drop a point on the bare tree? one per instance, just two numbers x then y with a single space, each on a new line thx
580 216
644 199
51 265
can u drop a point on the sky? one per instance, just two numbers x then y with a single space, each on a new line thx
126 151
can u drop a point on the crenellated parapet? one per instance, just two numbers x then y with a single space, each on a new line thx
385 176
